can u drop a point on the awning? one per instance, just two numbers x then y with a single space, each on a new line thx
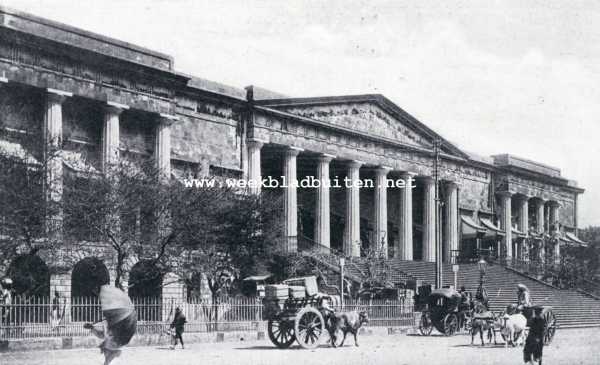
257 278
16 150
491 226
76 161
470 229
574 238
518 233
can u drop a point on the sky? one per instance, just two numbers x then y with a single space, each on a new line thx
519 77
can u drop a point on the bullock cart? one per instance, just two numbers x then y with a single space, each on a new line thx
296 312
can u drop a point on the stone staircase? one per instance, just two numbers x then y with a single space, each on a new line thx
572 308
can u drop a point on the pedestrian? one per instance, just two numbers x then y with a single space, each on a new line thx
523 298
56 316
534 344
178 325
5 301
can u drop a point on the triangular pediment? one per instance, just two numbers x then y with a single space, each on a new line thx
370 114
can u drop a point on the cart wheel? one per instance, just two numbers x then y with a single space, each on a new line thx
309 326
550 329
450 324
425 325
281 333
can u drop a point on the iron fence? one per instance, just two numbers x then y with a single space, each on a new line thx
32 317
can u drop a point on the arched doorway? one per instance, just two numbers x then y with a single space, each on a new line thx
87 277
31 288
30 276
145 281
145 289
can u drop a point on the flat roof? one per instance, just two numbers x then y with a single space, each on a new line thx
58 32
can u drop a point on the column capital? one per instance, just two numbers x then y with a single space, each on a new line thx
293 151
255 143
382 170
407 174
427 180
451 184
115 108
57 96
504 194
554 203
167 119
355 163
325 157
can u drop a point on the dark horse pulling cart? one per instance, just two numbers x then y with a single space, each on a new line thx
444 310
295 311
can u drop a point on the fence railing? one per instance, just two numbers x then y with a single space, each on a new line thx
34 317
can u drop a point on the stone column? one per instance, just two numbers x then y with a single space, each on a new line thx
428 219
524 226
352 224
380 210
254 172
404 251
553 224
452 221
322 214
540 215
52 145
290 198
505 206
110 134
162 148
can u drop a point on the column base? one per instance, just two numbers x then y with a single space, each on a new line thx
291 244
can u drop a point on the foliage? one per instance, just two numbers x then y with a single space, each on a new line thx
378 271
27 216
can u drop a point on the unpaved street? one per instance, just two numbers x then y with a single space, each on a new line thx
570 347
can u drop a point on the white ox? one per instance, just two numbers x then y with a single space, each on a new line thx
512 328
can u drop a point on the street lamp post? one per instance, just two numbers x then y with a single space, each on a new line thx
342 263
438 236
482 264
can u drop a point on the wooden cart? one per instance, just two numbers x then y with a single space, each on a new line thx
300 317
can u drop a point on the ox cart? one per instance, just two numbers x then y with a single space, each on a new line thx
296 312
547 314
444 310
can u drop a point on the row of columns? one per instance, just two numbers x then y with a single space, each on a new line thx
53 131
53 136
551 218
351 239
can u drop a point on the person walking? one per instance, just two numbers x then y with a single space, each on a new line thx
56 316
523 297
178 325
534 344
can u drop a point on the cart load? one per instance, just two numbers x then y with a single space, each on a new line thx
295 312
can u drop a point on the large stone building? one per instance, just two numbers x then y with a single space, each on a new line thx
105 99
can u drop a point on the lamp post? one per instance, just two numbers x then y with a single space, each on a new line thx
438 236
342 263
482 264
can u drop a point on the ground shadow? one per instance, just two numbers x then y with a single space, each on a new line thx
420 335
265 347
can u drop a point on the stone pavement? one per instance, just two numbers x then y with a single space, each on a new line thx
570 347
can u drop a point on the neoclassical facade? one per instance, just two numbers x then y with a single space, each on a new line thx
102 99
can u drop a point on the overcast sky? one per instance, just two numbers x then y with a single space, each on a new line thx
509 76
